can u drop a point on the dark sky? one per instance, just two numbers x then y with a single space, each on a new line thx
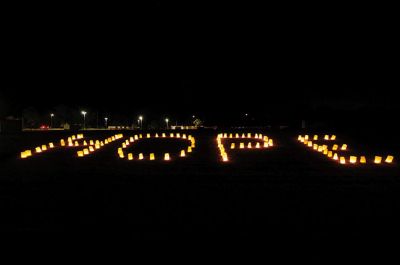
204 57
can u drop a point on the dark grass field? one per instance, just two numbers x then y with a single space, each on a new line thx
284 192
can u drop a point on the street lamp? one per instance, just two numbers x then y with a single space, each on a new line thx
167 120
141 122
84 119
51 120
106 122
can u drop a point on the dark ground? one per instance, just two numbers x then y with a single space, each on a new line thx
283 193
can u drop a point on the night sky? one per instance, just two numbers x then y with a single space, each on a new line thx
202 57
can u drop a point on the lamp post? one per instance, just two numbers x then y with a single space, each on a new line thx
106 122
84 119
51 120
167 120
141 122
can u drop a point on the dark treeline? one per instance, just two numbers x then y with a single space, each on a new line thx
317 116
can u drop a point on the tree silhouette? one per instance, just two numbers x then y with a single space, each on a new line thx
31 117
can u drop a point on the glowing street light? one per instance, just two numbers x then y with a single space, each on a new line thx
84 119
141 122
167 120
106 122
51 120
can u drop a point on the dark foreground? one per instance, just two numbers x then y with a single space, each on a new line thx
284 193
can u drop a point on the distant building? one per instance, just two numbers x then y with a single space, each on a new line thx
118 127
183 127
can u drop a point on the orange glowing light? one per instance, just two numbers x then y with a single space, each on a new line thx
183 153
389 159
378 160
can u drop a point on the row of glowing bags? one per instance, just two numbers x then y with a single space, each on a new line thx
353 159
316 137
151 156
163 135
249 145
